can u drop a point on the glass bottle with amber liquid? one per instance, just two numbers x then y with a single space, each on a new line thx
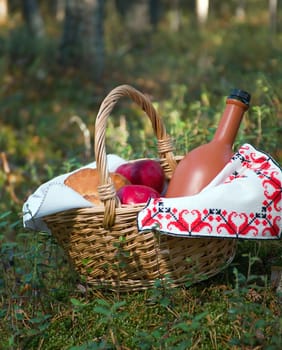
196 170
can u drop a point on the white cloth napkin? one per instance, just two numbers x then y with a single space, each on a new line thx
54 196
242 201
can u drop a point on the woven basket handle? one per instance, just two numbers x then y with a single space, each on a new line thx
106 190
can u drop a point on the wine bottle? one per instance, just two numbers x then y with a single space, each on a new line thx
196 170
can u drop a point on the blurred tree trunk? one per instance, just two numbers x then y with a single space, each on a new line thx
32 17
58 9
122 7
175 16
138 16
240 10
273 16
155 11
202 11
3 11
141 15
82 43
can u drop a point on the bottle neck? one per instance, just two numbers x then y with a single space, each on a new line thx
230 121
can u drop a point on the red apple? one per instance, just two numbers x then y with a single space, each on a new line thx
145 172
126 170
133 194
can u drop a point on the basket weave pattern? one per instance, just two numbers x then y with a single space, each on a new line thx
103 243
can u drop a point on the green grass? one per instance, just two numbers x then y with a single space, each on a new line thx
43 306
188 75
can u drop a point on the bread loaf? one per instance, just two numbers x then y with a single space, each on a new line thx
86 182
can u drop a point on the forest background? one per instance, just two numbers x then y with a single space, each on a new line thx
58 60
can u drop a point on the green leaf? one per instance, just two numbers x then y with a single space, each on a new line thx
102 311
183 326
4 215
200 316
103 302
76 302
118 305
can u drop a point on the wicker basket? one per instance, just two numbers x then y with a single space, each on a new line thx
103 243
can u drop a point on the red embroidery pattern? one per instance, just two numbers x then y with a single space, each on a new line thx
261 222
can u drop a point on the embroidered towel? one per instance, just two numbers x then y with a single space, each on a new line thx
243 201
